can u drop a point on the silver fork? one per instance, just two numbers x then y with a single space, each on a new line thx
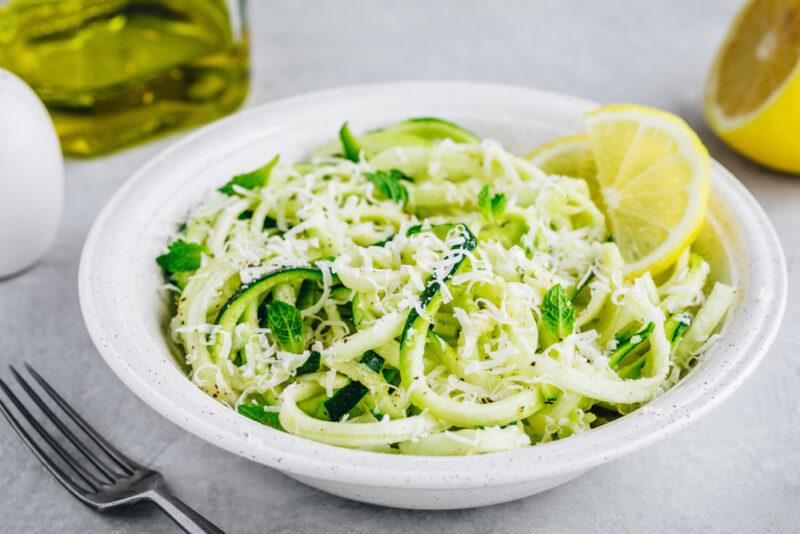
104 481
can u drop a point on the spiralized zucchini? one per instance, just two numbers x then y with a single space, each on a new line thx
419 290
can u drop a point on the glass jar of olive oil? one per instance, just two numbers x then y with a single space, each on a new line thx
114 72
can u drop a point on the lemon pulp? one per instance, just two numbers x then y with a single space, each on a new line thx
753 92
654 176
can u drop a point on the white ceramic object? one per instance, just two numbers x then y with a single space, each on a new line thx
31 177
126 313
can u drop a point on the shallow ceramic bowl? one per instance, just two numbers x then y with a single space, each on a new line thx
127 313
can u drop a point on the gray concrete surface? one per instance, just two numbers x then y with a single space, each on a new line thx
736 470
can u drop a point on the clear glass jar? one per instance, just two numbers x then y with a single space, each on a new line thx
115 72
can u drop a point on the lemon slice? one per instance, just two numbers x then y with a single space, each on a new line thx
566 156
753 90
653 173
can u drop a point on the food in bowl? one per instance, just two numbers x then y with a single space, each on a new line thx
420 290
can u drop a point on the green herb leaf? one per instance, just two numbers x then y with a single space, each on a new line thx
558 313
181 257
491 207
388 184
250 180
286 324
350 145
257 413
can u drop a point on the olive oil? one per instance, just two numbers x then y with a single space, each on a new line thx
114 72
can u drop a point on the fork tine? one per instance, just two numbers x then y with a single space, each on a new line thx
87 478
48 463
82 448
120 459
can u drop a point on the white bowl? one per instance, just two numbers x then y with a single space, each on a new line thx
126 313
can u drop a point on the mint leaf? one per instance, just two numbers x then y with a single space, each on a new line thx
286 324
257 413
558 313
491 207
250 180
181 257
388 184
350 145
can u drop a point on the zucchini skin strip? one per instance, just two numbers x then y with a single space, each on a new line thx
347 397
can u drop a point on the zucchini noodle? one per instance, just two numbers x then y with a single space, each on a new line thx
418 290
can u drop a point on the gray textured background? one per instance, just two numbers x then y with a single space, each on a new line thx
737 470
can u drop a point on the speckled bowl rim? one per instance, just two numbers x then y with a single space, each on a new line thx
147 367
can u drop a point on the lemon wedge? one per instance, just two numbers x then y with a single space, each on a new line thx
653 175
753 90
566 156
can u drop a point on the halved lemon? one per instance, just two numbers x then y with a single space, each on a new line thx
753 90
653 174
566 156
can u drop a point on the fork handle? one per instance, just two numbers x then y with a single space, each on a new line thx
183 515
